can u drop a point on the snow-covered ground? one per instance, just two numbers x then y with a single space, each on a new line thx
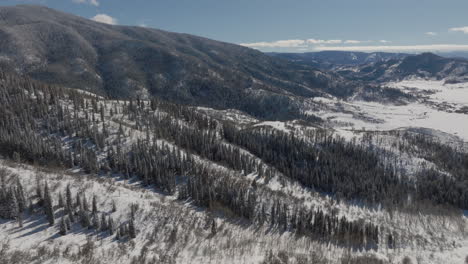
434 239
437 108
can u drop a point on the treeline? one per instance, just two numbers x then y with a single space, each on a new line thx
450 186
327 164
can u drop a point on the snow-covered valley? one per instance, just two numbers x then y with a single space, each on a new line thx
438 106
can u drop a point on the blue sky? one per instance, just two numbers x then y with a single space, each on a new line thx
293 25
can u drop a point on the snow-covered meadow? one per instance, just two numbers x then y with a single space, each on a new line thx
438 107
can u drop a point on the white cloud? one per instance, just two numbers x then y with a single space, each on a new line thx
352 41
298 43
459 29
384 41
91 2
408 48
430 33
321 41
291 43
106 19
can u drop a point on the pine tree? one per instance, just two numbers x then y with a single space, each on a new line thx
68 223
20 196
69 212
69 197
131 229
96 223
114 207
213 227
30 207
85 219
63 226
104 225
123 230
20 219
48 205
39 193
79 204
61 204
12 205
111 226
85 203
94 205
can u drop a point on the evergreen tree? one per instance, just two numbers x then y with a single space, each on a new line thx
79 204
48 206
12 205
104 224
213 228
85 203
20 196
114 207
70 214
69 197
111 226
131 229
68 223
20 220
63 226
61 204
94 205
96 223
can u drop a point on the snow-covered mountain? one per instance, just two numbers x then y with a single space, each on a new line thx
426 65
332 59
87 179
368 165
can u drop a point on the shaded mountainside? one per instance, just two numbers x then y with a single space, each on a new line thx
331 59
124 61
426 65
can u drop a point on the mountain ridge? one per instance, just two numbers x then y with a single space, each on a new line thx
331 59
126 61
425 65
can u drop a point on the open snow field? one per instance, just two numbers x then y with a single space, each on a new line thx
439 107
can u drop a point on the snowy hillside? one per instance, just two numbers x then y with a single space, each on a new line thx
172 231
145 181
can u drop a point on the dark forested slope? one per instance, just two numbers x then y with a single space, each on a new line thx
124 62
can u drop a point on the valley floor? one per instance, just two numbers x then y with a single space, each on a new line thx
439 107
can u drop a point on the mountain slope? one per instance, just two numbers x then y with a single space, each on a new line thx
124 61
188 187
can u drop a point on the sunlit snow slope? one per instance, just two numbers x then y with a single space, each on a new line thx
439 106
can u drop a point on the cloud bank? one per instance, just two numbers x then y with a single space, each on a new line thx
300 43
106 19
90 2
406 48
459 29
291 43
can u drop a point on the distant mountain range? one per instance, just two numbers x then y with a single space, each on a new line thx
331 59
381 66
426 65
